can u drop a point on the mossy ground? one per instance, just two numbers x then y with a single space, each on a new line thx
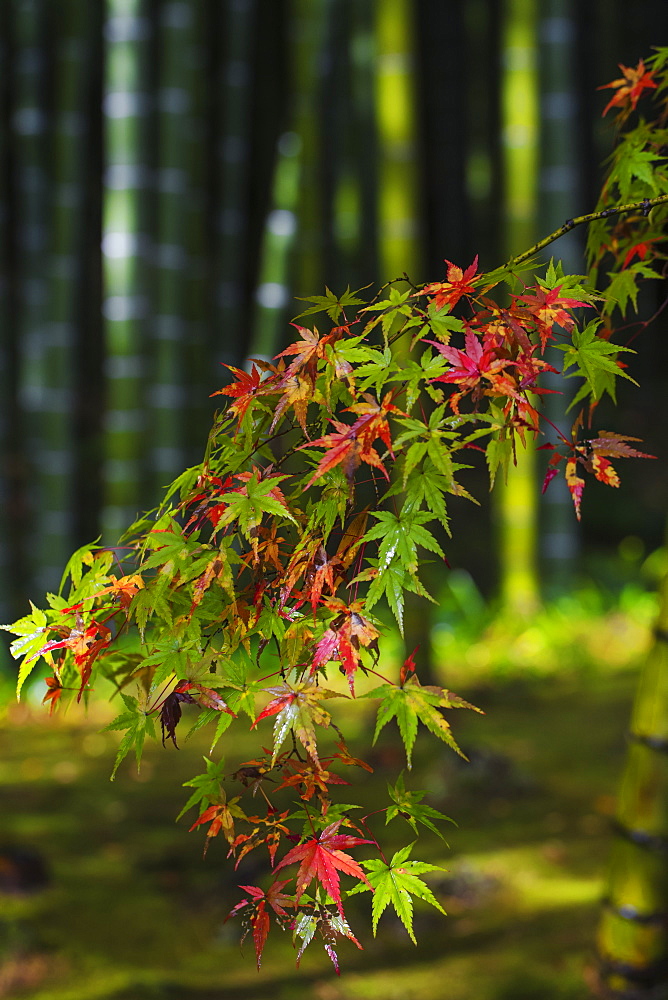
133 911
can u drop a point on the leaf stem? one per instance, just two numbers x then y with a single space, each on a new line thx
644 206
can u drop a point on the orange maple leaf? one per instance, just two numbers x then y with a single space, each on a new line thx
629 87
247 388
548 308
448 293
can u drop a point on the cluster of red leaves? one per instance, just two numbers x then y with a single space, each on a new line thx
500 359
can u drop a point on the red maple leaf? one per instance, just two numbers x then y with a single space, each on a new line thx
639 250
53 694
86 642
342 640
258 920
629 87
353 443
244 390
469 367
547 308
322 858
448 293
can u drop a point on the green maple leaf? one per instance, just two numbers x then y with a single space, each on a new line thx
330 303
396 883
249 507
138 724
624 285
400 536
409 806
297 709
414 703
391 584
207 785
594 359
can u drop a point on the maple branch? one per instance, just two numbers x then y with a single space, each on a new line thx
644 206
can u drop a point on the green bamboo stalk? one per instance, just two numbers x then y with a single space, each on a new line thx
632 940
126 109
69 152
308 22
399 242
364 139
295 213
272 294
516 498
6 346
30 193
233 172
559 198
398 185
170 325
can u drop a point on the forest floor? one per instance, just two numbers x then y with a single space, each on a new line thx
131 910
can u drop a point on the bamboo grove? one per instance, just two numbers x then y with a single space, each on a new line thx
257 593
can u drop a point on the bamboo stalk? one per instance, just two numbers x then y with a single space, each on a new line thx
308 22
295 212
398 211
30 193
170 325
125 306
69 151
232 150
7 354
516 503
632 935
559 196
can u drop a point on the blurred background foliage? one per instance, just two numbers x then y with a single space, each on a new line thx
174 172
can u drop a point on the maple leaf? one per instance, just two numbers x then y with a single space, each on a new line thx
258 919
85 642
123 589
575 485
409 806
396 883
245 390
595 359
274 823
342 640
312 778
137 722
629 87
298 710
448 293
414 702
352 443
548 308
614 445
221 816
193 694
469 367
297 393
329 925
322 858
216 569
639 250
53 693
604 471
